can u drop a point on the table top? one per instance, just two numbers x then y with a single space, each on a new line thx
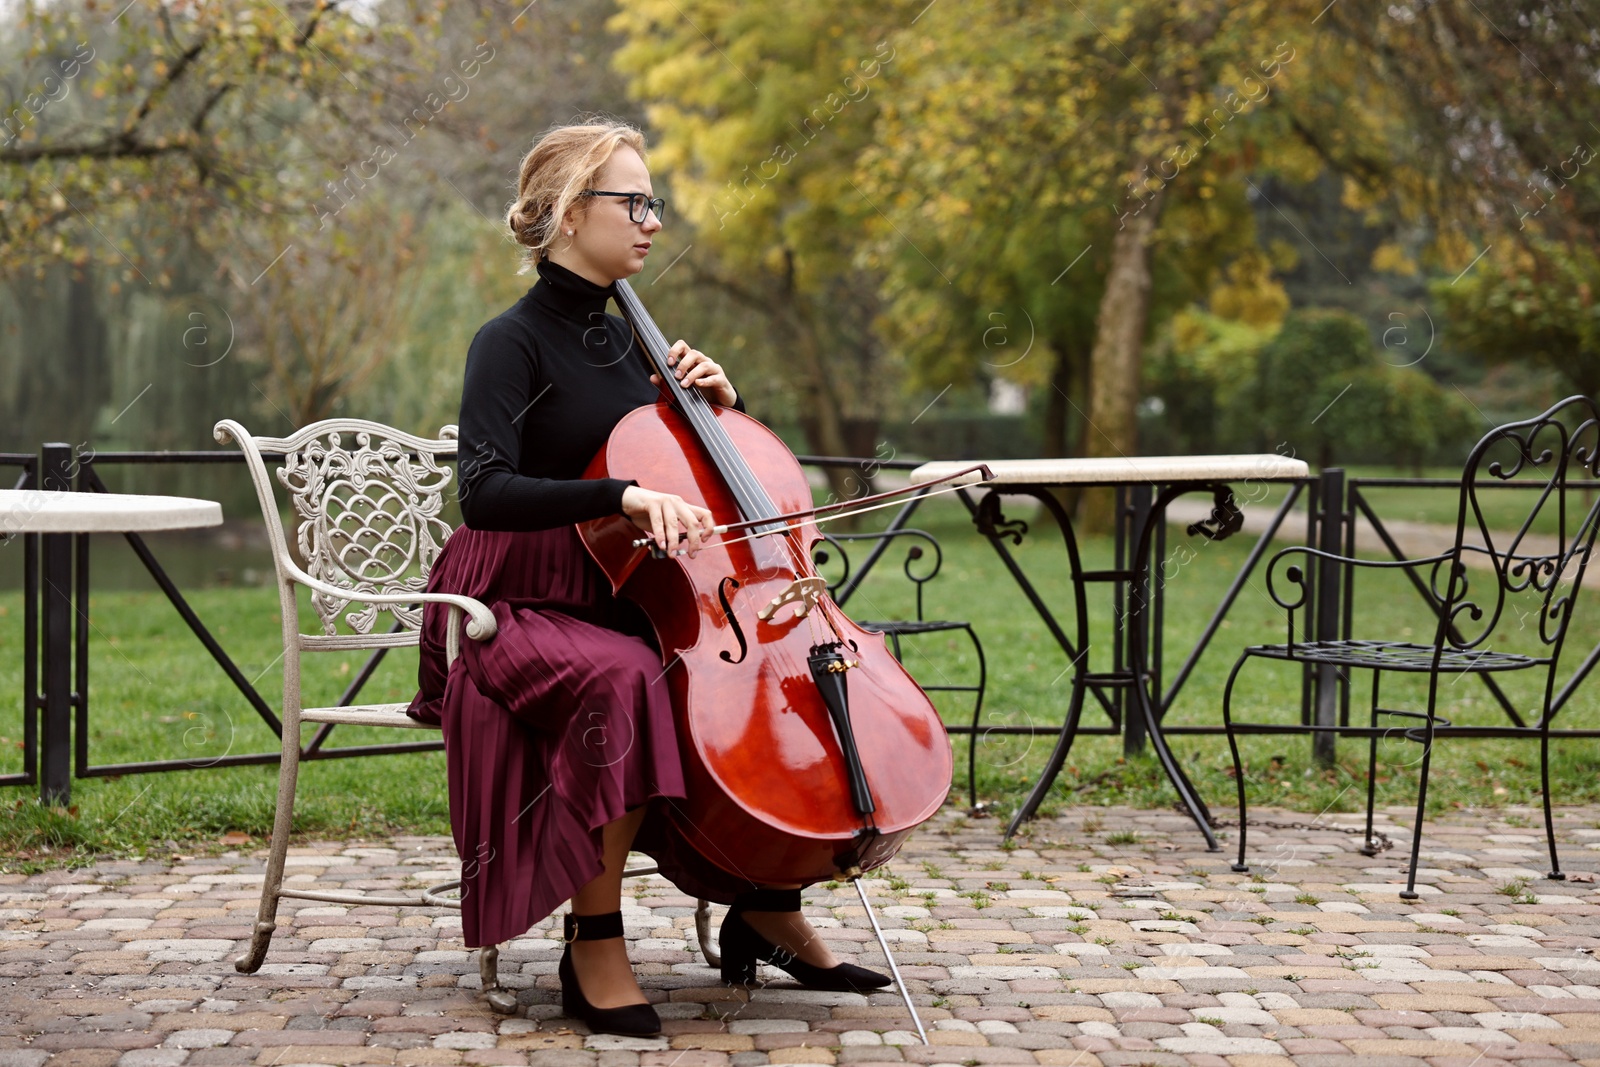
1121 470
51 511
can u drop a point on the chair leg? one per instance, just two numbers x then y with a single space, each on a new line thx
1239 866
501 1000
1410 891
702 929
1069 731
1369 848
1555 873
282 824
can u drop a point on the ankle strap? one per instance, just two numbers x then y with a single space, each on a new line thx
768 900
593 927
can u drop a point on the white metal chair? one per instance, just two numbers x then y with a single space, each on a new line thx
369 529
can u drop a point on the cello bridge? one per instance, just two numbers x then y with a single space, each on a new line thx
804 591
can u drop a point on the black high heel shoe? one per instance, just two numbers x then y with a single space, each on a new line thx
630 1020
742 947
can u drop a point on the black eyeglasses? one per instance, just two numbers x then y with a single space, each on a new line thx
639 205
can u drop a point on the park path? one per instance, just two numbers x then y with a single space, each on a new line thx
1109 938
1416 539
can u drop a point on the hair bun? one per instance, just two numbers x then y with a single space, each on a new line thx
525 225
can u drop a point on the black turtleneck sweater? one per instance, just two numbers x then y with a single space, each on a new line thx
547 380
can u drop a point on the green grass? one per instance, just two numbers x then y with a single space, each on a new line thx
156 694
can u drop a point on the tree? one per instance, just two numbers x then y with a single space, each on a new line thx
758 114
1322 392
1301 375
145 124
1202 370
1536 305
330 310
1497 101
1492 111
186 145
1085 163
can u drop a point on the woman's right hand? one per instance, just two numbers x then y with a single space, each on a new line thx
664 515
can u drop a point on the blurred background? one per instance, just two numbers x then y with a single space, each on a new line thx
1355 234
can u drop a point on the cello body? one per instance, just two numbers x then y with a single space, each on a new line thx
768 777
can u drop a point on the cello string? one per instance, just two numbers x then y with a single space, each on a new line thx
717 437
791 527
709 428
741 469
820 625
717 440
696 408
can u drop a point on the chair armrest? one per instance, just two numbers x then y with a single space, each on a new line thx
480 622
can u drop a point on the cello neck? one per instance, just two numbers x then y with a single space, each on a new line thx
746 488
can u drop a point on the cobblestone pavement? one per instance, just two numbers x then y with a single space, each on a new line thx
1108 937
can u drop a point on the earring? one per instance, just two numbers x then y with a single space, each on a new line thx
569 233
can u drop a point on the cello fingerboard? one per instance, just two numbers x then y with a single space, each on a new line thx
741 480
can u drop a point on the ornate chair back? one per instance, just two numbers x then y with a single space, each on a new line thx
366 504
1522 519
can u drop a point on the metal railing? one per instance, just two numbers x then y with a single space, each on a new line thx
57 584
56 588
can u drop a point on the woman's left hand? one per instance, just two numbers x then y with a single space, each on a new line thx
694 367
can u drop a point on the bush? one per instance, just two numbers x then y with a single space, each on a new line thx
1316 388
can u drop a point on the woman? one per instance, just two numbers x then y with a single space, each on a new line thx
559 733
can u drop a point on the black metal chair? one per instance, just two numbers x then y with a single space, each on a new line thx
1536 570
843 586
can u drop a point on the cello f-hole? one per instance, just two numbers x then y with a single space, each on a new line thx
733 621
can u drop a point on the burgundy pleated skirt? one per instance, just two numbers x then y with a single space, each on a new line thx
559 724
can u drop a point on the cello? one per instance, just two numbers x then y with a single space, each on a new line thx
808 750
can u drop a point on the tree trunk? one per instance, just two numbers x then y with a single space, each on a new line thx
1114 364
824 424
824 429
1057 402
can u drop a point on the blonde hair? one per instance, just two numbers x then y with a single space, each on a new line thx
555 172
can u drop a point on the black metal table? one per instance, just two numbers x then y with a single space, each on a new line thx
1152 482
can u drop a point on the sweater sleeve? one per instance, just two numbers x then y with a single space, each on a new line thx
502 384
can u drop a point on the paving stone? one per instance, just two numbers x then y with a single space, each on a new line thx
22 1057
198 1038
153 1057
96 961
